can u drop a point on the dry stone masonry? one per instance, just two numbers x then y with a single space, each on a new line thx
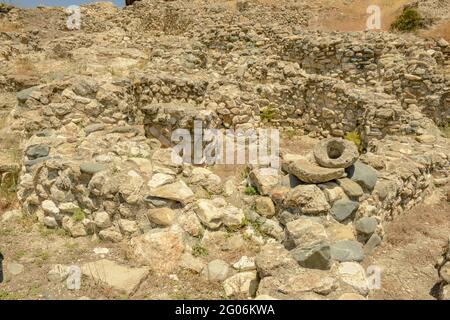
96 157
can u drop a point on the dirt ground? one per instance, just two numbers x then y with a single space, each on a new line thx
408 253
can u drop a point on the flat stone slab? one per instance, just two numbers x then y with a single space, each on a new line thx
310 173
121 278
177 191
14 268
92 167
347 250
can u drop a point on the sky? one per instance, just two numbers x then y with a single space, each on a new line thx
61 3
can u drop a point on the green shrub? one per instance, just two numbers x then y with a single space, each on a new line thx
410 20
267 114
199 251
354 137
251 191
78 215
8 190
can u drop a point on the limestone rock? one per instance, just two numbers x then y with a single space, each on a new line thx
177 191
353 274
160 249
241 283
351 188
304 231
160 179
216 270
15 268
75 229
274 259
189 262
209 214
102 220
265 206
49 207
50 222
299 284
124 279
92 167
264 179
110 234
161 216
307 199
245 264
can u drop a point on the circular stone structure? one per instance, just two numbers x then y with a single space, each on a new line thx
335 153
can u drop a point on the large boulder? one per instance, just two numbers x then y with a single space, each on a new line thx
264 179
307 199
304 231
335 153
160 249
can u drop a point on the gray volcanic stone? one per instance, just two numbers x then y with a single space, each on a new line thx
92 167
29 163
25 94
363 174
347 250
290 181
342 209
366 225
38 151
335 153
314 256
372 243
